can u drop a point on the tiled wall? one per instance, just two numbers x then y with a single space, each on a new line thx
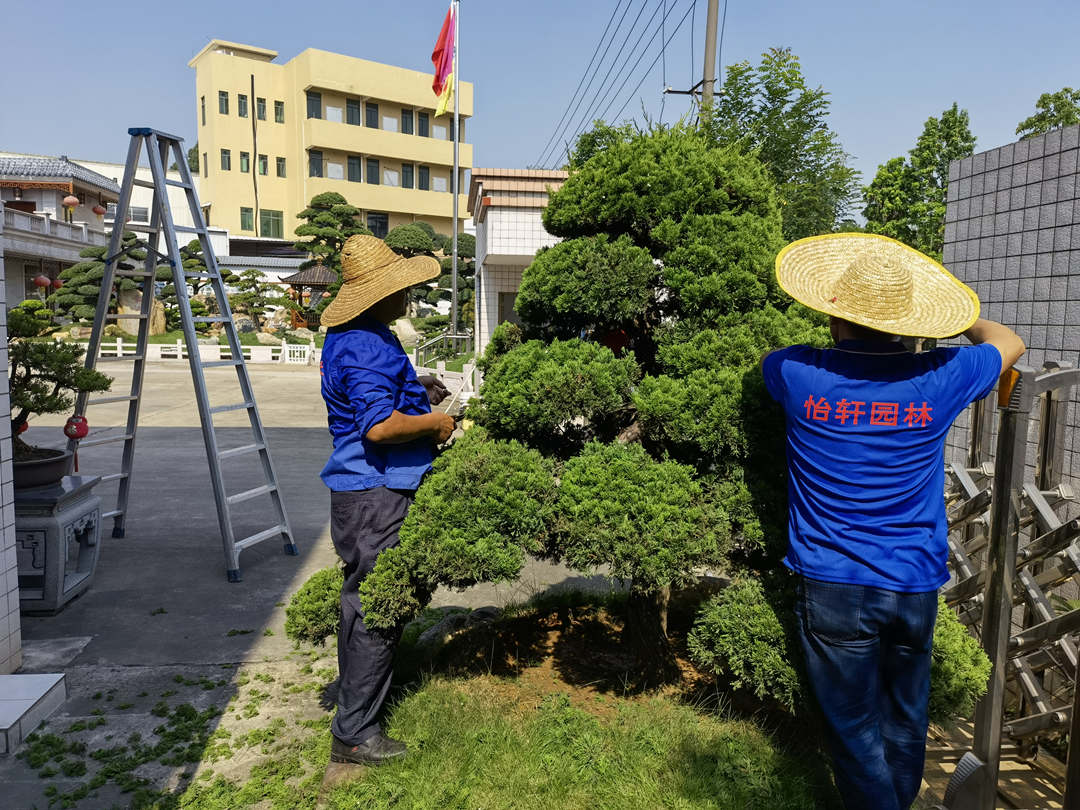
1012 232
10 633
493 279
516 231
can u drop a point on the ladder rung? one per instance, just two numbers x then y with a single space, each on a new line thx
106 400
125 316
113 477
219 363
130 226
134 273
114 359
240 497
106 440
239 406
188 229
256 538
113 513
212 319
239 451
199 274
143 183
178 184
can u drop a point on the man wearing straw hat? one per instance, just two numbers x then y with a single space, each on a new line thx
866 427
384 434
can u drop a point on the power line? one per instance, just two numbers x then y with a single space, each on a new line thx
663 76
596 50
649 69
590 115
558 133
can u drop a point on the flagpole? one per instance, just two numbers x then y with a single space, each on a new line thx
454 184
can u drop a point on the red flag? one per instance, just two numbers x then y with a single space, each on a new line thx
443 55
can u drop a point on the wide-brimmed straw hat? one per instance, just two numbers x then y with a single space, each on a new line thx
370 271
876 282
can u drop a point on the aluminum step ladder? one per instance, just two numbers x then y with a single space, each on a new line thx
159 147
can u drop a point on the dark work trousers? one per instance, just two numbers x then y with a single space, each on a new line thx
362 524
868 657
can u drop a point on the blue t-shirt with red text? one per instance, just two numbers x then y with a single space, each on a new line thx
866 428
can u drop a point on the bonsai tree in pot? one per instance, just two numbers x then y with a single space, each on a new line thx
43 377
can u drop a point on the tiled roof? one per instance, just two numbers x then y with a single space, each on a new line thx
314 276
32 168
262 262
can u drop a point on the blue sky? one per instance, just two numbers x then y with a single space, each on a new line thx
77 74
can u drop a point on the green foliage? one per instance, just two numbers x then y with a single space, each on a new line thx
906 199
1052 111
578 285
596 140
410 240
466 245
43 374
959 669
745 636
484 506
770 111
78 298
426 228
255 297
505 337
649 522
558 394
329 221
193 158
314 612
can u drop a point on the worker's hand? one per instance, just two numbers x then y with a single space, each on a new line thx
445 427
436 391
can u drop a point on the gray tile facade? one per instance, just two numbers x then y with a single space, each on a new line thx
1012 232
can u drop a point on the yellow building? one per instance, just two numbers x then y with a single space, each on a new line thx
272 136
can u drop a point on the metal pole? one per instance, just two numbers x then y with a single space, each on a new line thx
709 71
454 183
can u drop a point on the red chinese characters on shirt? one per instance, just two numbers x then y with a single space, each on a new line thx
849 412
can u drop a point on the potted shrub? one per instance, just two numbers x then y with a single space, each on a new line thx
43 376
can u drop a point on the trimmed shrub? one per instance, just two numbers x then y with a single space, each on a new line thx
505 337
959 670
314 612
409 240
484 506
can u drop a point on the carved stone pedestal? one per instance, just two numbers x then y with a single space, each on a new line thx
57 541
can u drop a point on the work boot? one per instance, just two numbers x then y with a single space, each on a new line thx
375 750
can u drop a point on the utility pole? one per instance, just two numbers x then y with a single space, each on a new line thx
709 71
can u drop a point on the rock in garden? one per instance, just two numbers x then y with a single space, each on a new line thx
443 631
267 339
243 323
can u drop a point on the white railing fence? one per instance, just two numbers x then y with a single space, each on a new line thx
47 226
295 353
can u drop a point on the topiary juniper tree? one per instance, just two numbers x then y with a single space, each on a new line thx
78 298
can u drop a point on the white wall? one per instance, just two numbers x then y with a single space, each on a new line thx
491 281
10 628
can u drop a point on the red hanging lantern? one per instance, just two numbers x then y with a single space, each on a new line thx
99 209
22 428
70 201
76 427
57 283
42 280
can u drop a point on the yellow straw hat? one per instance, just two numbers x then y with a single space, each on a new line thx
877 282
370 271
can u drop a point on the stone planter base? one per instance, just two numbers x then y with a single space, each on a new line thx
41 472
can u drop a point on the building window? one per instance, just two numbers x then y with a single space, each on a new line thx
354 168
271 224
245 162
378 224
264 165
439 184
406 122
314 163
352 112
373 171
137 213
390 178
371 115
205 166
247 219
260 109
406 175
202 109
281 167
424 178
223 102
226 160
279 112
422 124
241 105
451 129
314 104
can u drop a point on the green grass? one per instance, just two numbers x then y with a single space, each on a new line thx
476 744
458 363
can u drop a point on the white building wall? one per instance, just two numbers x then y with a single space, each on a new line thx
10 628
495 280
516 231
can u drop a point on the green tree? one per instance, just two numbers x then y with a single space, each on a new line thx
78 298
410 240
596 140
255 297
1052 111
906 199
193 158
194 263
328 221
770 111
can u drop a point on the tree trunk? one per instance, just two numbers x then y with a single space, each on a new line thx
645 634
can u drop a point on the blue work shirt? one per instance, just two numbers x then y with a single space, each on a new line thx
366 375
866 428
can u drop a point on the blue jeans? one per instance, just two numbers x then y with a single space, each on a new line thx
867 654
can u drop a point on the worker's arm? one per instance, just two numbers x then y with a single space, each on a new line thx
399 428
1001 337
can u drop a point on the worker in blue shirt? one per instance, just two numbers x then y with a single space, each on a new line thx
866 423
384 435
